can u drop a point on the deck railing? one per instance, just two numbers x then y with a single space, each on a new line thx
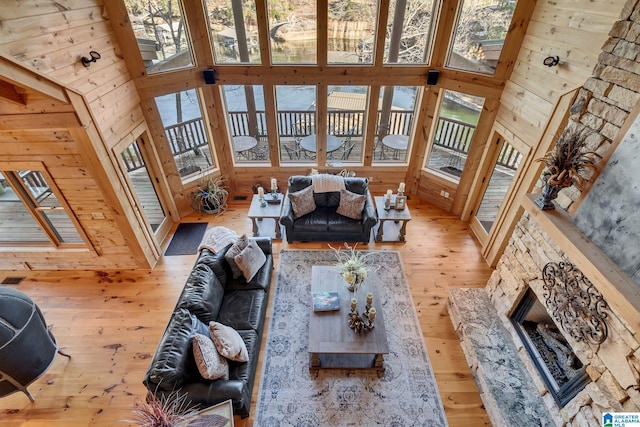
451 134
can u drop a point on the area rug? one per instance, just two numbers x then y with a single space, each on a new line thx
289 395
187 238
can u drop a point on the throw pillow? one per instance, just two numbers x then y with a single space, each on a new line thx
234 250
210 364
228 342
218 238
302 202
250 260
351 204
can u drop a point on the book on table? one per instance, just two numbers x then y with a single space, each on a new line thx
326 301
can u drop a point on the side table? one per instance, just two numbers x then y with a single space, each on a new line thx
257 213
395 219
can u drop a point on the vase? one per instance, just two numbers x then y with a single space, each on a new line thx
549 194
354 280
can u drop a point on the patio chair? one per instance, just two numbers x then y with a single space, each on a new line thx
347 151
294 153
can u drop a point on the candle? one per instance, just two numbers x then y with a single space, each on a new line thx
353 303
369 298
401 187
261 192
274 184
372 314
389 193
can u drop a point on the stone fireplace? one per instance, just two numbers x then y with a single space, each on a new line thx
561 370
598 377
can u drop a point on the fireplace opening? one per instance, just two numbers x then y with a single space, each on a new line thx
562 371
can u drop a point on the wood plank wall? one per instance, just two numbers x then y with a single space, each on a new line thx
49 38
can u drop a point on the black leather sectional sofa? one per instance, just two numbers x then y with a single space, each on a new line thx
211 294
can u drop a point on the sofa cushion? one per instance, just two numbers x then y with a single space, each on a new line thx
250 260
246 371
218 238
351 204
228 342
210 364
173 363
338 224
302 202
242 309
202 294
234 250
216 263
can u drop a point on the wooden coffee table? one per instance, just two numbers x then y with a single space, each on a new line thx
270 211
332 344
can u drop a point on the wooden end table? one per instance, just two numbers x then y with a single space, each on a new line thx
258 213
332 344
400 219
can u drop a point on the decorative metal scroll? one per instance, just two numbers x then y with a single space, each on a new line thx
575 302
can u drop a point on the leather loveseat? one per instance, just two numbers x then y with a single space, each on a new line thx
212 294
325 223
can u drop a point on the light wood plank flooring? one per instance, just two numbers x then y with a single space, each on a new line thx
111 321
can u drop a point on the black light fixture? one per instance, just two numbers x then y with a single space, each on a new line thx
94 57
551 61
209 76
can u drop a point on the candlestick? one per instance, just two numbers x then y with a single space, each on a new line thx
261 192
372 314
389 193
353 303
274 184
401 187
369 298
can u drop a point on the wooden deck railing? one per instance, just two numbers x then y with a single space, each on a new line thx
450 134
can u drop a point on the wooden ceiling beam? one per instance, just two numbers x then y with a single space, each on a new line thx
8 92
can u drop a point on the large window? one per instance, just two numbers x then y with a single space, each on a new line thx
396 111
480 33
234 31
246 122
409 28
296 116
184 126
351 32
161 34
32 213
293 32
459 114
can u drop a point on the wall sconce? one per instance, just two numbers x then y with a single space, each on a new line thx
94 57
551 61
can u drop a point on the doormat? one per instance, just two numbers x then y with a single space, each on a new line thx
187 238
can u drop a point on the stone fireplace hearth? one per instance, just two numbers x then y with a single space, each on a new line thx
611 368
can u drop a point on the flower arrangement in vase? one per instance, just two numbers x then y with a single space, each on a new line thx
565 165
352 265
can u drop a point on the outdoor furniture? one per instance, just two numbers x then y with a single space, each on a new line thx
243 145
308 143
396 143
27 346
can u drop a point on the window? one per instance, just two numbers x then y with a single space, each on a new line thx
293 32
246 122
409 30
296 116
459 114
234 31
183 124
480 33
161 33
32 213
347 107
351 33
396 110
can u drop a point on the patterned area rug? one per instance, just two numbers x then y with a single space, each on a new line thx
289 395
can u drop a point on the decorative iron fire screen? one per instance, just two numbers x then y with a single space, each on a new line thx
575 303
561 370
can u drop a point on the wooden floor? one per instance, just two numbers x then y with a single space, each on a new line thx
111 321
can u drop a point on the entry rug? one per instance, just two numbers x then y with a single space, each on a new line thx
187 238
289 395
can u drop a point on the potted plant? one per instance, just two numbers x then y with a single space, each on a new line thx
565 165
211 196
